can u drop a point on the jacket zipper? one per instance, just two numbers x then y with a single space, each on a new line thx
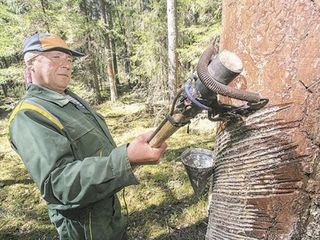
90 226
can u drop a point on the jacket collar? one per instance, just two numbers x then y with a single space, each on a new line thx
47 94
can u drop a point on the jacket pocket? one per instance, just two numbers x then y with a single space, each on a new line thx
103 223
85 138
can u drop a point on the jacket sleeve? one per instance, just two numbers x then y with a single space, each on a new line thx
47 154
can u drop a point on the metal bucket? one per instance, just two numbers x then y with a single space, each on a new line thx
199 164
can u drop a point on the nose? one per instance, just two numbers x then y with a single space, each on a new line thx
66 63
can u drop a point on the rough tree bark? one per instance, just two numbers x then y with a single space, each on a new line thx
267 176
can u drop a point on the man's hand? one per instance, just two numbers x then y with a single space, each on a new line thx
140 152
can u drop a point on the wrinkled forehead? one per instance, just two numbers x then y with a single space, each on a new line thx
55 53
29 56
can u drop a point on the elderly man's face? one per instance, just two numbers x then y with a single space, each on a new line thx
52 70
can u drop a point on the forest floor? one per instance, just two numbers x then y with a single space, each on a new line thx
162 206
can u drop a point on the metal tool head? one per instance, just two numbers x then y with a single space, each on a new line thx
217 72
199 164
225 66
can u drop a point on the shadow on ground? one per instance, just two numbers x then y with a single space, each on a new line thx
4 114
161 215
14 233
9 182
193 232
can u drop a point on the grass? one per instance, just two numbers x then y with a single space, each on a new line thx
162 206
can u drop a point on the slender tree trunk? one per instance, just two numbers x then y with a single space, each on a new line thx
94 83
100 81
108 51
172 45
4 63
4 89
112 41
112 82
114 61
127 63
144 5
267 175
44 6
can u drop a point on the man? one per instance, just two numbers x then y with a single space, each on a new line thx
67 148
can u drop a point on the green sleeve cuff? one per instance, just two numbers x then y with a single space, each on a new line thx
122 151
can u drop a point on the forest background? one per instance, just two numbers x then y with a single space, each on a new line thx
125 75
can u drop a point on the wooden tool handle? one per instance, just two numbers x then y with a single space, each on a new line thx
165 130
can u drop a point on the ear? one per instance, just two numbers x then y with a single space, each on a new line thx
27 75
30 68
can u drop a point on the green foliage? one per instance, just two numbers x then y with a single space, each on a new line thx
9 28
13 73
83 91
149 54
200 24
140 35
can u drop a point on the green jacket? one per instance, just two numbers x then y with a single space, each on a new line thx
71 156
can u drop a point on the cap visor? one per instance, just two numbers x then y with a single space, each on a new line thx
66 50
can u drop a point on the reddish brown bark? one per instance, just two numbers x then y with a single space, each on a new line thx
267 179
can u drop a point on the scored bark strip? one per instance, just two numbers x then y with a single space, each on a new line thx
267 177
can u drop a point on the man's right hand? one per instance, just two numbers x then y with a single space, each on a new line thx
141 153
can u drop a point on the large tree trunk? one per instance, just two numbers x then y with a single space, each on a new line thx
267 176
